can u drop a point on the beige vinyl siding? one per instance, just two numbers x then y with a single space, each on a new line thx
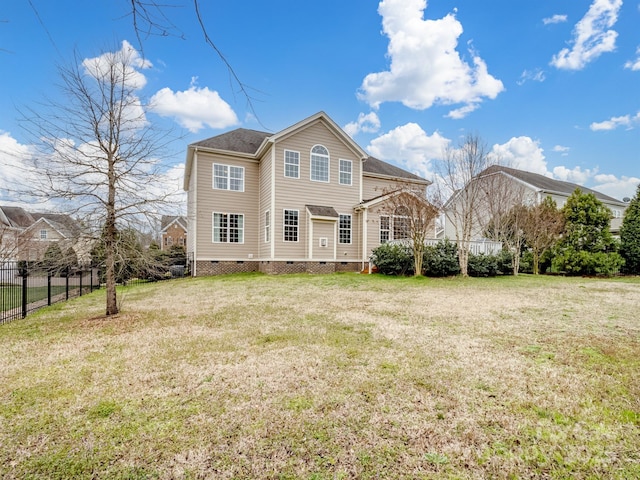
191 210
265 168
373 187
296 193
225 201
323 229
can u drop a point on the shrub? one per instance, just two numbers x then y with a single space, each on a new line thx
483 265
441 260
504 260
393 259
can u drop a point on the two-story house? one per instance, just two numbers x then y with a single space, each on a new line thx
513 186
305 199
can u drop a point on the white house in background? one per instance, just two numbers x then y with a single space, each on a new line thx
305 199
530 187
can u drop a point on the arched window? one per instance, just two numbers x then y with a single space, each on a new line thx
319 164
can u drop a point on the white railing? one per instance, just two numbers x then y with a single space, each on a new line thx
488 247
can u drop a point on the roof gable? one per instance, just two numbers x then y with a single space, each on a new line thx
547 184
376 167
168 220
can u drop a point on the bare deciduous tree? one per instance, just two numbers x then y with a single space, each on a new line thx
458 171
504 205
99 155
416 217
543 226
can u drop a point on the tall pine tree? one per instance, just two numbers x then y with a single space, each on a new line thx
630 236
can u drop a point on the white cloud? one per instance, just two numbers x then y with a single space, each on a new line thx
194 108
616 187
634 64
523 153
614 122
13 165
554 19
368 123
561 149
574 175
536 75
127 57
591 36
425 67
410 146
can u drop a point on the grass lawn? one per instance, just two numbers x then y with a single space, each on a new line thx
328 377
11 295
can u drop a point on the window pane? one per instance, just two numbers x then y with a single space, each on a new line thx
319 164
345 229
345 172
236 180
291 164
290 225
384 229
220 174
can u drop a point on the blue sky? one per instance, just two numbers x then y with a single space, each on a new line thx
551 87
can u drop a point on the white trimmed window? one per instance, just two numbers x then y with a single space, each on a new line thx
291 225
319 164
345 172
401 223
616 213
267 226
228 228
344 229
385 230
291 164
228 177
44 234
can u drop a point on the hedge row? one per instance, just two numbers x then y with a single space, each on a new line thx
440 260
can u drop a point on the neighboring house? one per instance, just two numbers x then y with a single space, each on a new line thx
173 231
28 235
519 186
305 199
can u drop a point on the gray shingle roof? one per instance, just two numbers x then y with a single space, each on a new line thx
322 211
61 222
18 217
546 184
168 219
375 166
240 140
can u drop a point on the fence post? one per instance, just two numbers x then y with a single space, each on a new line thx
66 277
49 288
24 293
80 273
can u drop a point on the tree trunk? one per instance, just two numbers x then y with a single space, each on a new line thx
536 262
110 241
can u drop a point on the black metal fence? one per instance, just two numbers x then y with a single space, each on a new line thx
25 289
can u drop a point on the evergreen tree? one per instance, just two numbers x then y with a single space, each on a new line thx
630 236
587 247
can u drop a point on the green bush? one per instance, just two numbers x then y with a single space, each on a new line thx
504 260
483 265
441 260
393 259
581 262
526 262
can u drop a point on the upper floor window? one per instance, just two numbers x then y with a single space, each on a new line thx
345 172
227 177
291 164
319 164
616 213
44 234
344 233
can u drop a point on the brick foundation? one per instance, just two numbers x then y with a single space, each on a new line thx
207 268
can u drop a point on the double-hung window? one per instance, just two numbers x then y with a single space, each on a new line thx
228 177
44 234
384 228
344 229
319 164
291 164
267 226
228 228
345 172
291 225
